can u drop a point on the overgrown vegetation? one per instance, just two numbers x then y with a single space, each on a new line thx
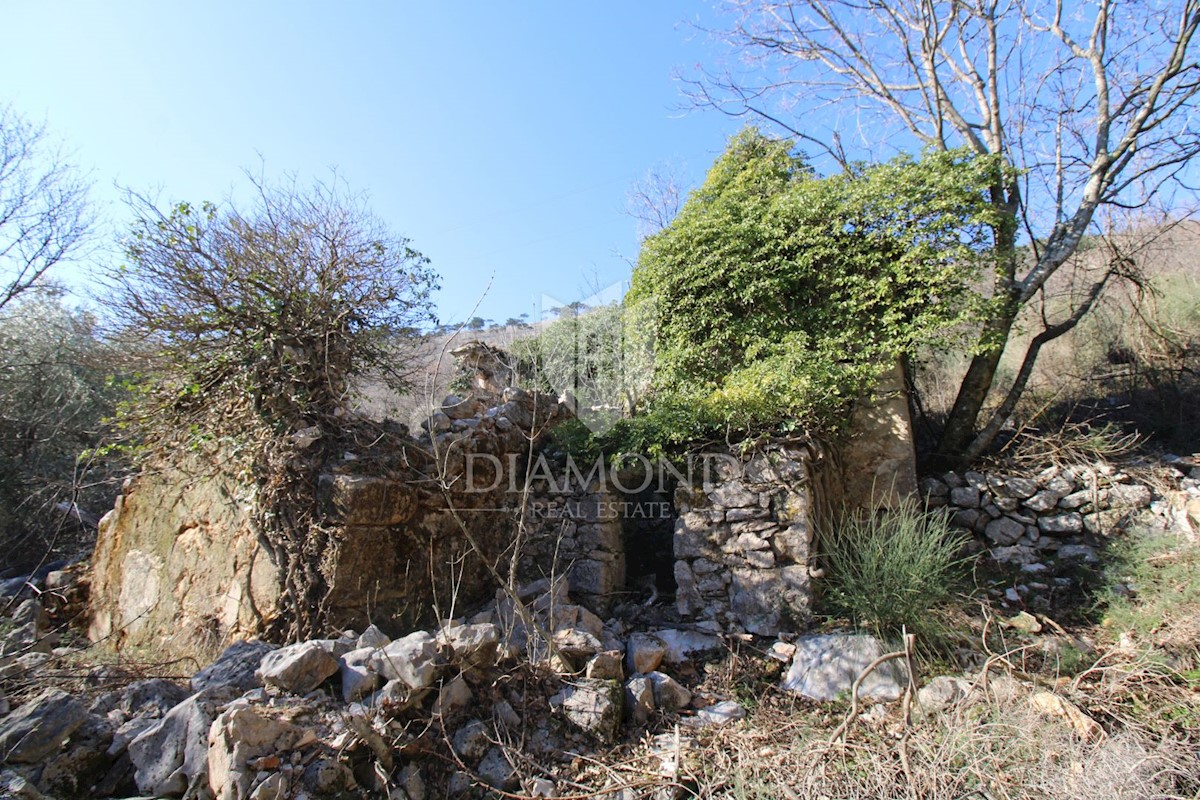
760 315
57 388
255 321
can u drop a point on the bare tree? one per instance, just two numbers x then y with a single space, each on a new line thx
44 211
1088 106
655 199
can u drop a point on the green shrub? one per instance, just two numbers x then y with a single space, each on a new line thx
892 569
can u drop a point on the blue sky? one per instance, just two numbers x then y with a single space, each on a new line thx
501 138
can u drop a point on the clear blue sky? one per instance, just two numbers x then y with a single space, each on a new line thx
502 138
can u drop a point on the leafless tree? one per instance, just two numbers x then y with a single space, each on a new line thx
45 215
1089 106
655 199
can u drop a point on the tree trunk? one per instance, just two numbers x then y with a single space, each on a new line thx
972 393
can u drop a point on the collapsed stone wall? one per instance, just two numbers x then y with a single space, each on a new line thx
1059 513
180 566
181 569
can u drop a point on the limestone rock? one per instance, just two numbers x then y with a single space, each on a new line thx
594 706
239 735
669 694
1129 495
965 497
372 637
152 698
172 755
644 653
496 770
826 665
471 741
412 659
1052 705
1012 487
716 715
1004 531
681 645
576 645
236 668
1080 552
298 668
471 645
454 696
639 699
40 726
1061 523
605 665
358 679
941 693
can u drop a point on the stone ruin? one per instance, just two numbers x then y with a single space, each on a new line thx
180 569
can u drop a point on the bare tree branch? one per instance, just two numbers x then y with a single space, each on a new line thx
45 216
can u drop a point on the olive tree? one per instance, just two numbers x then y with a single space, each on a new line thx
1089 106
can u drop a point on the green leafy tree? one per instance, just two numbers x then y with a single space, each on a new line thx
1090 108
782 296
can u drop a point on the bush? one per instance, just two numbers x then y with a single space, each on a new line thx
892 569
272 309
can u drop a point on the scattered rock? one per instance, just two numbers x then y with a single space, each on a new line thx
716 715
236 667
471 645
471 741
496 770
372 637
592 705
669 694
683 645
639 699
606 666
171 756
455 696
358 679
40 726
941 693
412 659
1052 705
298 668
239 735
826 665
644 653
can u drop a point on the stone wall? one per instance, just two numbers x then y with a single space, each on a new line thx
743 542
575 530
1057 513
180 568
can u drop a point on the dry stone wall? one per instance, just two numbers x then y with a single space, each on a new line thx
180 568
743 543
1057 513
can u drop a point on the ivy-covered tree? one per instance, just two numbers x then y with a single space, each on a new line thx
781 296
